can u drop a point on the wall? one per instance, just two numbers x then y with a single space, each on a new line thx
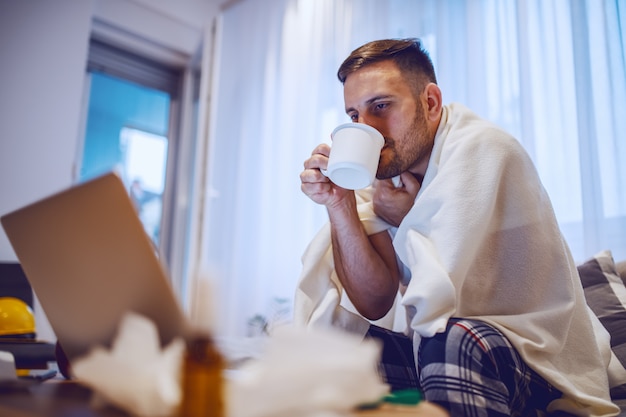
43 51
42 54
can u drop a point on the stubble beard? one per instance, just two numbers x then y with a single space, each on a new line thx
418 148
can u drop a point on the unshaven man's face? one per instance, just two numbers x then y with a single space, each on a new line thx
378 95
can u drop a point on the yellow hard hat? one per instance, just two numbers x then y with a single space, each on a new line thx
16 317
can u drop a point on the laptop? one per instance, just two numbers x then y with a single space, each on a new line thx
89 261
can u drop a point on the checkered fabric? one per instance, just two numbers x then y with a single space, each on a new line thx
471 370
397 364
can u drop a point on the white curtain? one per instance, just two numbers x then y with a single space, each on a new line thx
553 73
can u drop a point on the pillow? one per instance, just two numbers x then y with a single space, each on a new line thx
621 270
606 296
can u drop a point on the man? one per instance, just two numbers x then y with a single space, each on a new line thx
497 320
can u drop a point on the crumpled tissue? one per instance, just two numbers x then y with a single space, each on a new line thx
306 373
136 374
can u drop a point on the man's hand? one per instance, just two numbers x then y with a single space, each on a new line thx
392 203
315 184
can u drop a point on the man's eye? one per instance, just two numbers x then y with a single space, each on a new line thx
354 117
380 106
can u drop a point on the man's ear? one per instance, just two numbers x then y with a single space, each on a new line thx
432 94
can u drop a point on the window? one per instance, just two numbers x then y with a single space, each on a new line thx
144 163
128 128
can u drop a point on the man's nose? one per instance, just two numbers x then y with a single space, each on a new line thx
370 122
365 120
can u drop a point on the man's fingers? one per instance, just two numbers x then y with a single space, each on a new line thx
411 183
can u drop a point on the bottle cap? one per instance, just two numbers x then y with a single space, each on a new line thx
202 317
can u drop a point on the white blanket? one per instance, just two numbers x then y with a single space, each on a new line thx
484 244
320 299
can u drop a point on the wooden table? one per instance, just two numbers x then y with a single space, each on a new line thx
423 409
59 398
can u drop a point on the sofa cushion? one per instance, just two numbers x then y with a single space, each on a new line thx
621 270
606 296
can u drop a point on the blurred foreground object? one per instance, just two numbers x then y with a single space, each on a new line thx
307 372
136 375
203 364
202 380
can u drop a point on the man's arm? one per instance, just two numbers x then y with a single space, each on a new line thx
366 266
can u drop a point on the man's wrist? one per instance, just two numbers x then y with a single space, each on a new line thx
343 209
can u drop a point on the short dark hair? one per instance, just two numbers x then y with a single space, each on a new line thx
408 54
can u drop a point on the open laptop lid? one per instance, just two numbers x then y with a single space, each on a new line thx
89 261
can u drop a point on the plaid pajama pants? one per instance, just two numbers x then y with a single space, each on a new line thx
471 370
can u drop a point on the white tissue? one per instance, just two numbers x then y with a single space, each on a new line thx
307 372
135 375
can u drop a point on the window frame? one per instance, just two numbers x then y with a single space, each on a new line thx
180 81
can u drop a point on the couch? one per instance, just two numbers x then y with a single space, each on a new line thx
604 281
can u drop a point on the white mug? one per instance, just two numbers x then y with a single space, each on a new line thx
354 155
